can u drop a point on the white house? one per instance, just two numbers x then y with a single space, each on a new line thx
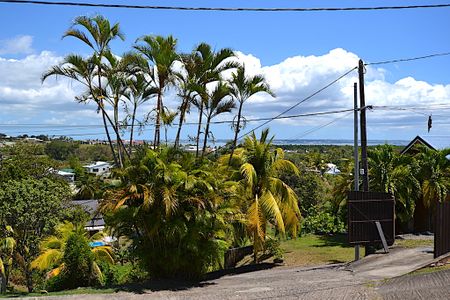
332 169
98 168
68 176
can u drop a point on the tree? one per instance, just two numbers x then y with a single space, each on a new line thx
7 247
242 87
60 150
67 254
89 72
161 52
390 172
216 104
187 85
211 65
32 208
167 118
265 198
174 211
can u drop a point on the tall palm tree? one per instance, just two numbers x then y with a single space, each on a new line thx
242 88
167 118
161 52
140 91
187 88
216 104
211 64
265 197
97 33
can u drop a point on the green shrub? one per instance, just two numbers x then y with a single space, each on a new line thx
319 221
273 248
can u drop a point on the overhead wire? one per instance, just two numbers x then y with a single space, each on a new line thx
230 9
406 59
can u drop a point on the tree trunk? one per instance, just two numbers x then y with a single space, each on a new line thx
199 127
236 131
29 278
180 123
116 123
208 121
157 124
109 137
133 118
3 284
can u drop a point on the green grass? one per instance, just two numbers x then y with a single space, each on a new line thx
414 243
78 291
312 250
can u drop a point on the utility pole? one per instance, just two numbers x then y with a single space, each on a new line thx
362 105
355 149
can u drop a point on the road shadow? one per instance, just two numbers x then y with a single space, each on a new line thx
155 285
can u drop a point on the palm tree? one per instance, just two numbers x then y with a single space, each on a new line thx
167 118
53 247
99 34
216 104
7 245
140 91
161 52
393 173
242 88
265 197
434 178
187 88
211 65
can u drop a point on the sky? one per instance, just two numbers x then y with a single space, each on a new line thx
297 52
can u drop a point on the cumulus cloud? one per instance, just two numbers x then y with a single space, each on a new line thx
21 44
23 97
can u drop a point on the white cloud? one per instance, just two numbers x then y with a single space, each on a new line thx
21 44
24 98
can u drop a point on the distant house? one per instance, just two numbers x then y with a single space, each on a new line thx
67 174
332 169
96 223
423 216
432 142
99 168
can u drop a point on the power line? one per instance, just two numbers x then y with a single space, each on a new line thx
231 9
300 102
407 59
321 126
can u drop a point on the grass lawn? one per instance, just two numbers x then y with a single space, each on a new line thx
312 250
78 291
414 243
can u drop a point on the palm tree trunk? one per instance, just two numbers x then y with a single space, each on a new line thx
109 137
180 123
133 118
158 121
116 122
208 121
199 127
236 131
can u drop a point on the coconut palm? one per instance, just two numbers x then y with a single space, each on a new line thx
161 52
266 199
53 247
242 88
211 64
218 102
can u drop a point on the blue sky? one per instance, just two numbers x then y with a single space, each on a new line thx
298 52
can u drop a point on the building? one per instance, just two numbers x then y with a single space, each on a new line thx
99 168
96 223
332 169
68 175
432 142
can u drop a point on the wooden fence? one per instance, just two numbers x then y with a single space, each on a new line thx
442 229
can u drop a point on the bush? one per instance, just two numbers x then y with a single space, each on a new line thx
273 248
319 221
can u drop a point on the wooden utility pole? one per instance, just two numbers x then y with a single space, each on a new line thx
362 105
355 149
